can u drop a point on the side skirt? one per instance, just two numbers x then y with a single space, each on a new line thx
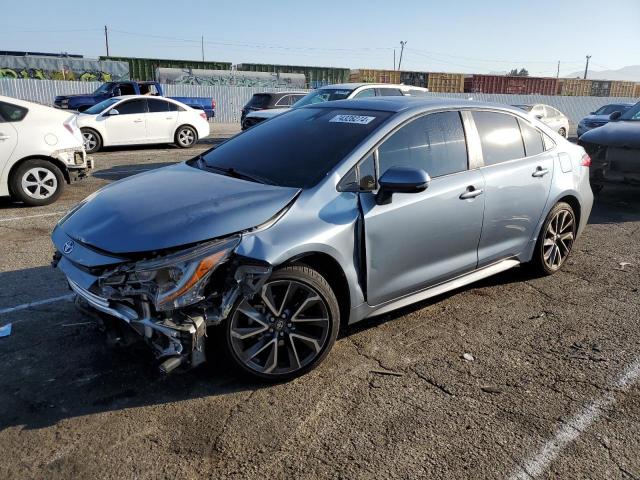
439 289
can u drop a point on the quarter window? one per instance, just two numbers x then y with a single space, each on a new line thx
434 143
131 107
532 139
12 113
499 136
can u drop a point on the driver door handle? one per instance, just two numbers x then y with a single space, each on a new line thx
471 192
540 172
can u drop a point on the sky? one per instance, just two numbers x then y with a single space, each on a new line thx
452 36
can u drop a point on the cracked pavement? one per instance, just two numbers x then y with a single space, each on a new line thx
394 399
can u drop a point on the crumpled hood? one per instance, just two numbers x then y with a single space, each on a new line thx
170 207
615 134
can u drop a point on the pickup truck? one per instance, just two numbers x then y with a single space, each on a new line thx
114 89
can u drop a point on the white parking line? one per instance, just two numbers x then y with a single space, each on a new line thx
37 303
13 219
572 428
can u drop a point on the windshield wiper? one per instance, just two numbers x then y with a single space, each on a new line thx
232 172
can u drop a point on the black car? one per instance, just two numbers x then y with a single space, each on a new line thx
615 149
266 101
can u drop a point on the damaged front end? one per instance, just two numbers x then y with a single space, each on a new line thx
169 299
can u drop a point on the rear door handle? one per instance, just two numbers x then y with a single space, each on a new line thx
4 137
471 192
137 121
540 172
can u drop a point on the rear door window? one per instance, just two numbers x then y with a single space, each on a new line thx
499 136
389 92
259 100
284 101
12 113
132 107
369 92
156 106
435 143
532 137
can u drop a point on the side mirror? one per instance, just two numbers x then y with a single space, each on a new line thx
113 111
615 116
401 180
592 113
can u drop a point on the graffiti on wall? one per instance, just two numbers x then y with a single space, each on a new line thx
51 68
237 78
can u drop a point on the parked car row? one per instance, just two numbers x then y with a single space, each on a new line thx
252 114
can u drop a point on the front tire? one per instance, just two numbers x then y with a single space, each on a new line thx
92 140
185 137
36 182
562 132
286 329
555 240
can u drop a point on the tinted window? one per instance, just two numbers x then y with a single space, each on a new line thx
389 92
131 107
175 108
12 113
259 100
500 137
157 106
324 95
532 139
367 173
609 109
435 143
297 148
369 92
284 101
124 89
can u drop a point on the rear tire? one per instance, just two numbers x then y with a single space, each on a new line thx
36 182
286 329
92 140
185 137
556 239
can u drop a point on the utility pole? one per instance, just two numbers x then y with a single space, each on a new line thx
402 44
586 67
202 43
558 71
394 58
106 39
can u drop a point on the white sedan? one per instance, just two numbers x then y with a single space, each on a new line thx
41 149
139 120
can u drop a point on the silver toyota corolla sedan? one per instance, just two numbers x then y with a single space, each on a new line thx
323 216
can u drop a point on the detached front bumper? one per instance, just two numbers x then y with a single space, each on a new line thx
77 162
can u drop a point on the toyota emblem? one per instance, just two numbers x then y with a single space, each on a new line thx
67 248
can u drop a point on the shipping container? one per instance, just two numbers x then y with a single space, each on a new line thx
621 89
600 88
445 82
504 84
315 76
574 87
368 75
145 68
417 79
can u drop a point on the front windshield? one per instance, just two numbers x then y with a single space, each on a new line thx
104 88
295 149
100 107
609 109
323 95
632 114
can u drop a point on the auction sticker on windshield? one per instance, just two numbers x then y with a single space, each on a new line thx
359 119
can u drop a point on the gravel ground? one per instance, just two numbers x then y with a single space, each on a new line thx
549 390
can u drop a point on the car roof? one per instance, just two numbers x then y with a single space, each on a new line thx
354 85
403 103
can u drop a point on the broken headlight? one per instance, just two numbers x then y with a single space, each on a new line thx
178 279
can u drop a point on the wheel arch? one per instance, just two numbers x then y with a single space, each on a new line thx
573 201
331 270
175 133
97 132
58 163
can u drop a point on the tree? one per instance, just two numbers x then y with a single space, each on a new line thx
518 73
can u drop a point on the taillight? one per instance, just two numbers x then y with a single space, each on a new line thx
586 161
203 115
69 125
213 104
